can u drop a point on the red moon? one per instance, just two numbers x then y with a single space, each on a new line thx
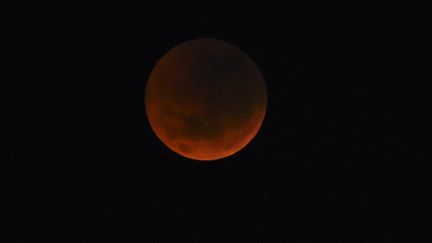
205 99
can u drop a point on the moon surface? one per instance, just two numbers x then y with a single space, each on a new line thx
205 99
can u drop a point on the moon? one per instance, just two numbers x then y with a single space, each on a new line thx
205 99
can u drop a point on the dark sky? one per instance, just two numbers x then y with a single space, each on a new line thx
338 158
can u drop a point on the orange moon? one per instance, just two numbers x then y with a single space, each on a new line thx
205 99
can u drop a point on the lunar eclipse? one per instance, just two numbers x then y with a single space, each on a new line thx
205 99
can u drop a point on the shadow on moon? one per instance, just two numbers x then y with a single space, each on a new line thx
205 99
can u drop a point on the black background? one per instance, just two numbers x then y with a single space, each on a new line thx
337 158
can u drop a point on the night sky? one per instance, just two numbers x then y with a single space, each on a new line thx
338 157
